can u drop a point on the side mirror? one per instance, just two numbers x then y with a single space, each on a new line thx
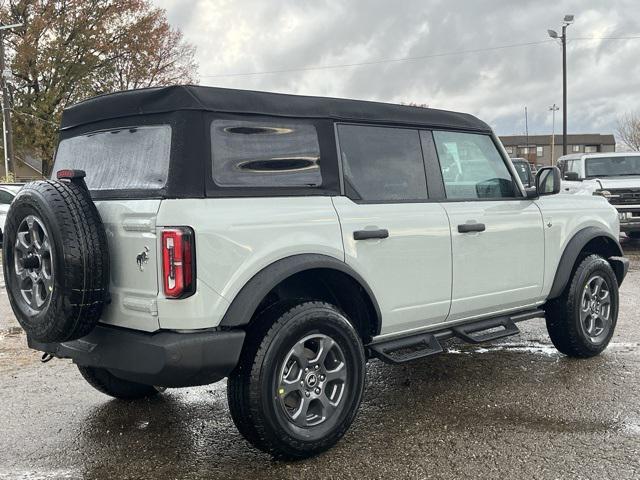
548 181
572 176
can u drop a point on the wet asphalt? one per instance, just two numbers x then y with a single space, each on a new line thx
511 409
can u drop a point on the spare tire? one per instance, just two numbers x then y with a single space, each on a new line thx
56 260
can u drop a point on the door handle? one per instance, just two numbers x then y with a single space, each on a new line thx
368 234
471 227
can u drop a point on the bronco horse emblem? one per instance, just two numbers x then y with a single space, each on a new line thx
143 258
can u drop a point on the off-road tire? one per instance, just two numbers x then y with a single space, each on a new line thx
252 387
103 381
563 314
79 258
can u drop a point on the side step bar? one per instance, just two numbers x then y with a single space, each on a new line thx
412 347
486 330
405 349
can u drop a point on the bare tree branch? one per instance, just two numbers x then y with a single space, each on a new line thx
628 130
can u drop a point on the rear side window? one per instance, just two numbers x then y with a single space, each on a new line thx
131 158
382 164
5 197
572 166
524 172
265 154
472 167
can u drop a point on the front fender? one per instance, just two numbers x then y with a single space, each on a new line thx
612 251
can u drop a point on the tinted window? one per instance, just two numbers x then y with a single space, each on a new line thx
562 165
472 166
127 158
265 154
613 166
524 172
5 197
572 166
382 164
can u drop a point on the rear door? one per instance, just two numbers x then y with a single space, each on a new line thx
497 236
123 166
393 235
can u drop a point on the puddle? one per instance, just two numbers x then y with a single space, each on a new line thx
40 475
11 332
533 348
631 427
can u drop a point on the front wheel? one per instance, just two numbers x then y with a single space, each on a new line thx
581 322
299 383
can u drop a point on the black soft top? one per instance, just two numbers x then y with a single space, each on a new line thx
224 100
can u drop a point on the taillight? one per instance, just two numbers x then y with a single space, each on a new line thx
178 262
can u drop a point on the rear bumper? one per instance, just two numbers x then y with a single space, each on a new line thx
165 358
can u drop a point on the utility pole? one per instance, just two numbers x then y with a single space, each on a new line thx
553 108
564 89
7 131
526 133
568 20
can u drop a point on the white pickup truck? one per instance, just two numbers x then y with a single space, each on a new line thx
614 176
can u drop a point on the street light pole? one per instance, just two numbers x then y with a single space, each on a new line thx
7 131
553 108
568 20
564 89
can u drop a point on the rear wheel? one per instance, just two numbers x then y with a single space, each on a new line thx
582 321
103 381
299 383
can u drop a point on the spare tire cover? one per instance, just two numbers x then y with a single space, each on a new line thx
55 260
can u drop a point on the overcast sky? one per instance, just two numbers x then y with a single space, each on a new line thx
246 36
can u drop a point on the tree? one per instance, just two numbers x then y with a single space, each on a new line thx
70 50
628 130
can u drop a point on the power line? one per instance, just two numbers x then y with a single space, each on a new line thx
404 59
33 116
607 38
376 62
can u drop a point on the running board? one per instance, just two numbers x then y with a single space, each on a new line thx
486 330
405 349
413 347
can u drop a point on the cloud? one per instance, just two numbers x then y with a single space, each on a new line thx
254 35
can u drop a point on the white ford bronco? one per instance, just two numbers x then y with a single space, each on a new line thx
191 234
614 176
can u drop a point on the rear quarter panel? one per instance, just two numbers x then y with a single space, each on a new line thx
565 215
130 229
238 237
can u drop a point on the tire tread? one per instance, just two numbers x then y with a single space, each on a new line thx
561 312
244 397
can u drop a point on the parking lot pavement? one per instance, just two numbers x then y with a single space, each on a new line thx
514 409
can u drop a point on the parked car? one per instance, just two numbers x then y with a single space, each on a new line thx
614 176
198 233
7 194
523 168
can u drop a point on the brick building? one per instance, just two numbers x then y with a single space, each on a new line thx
537 148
